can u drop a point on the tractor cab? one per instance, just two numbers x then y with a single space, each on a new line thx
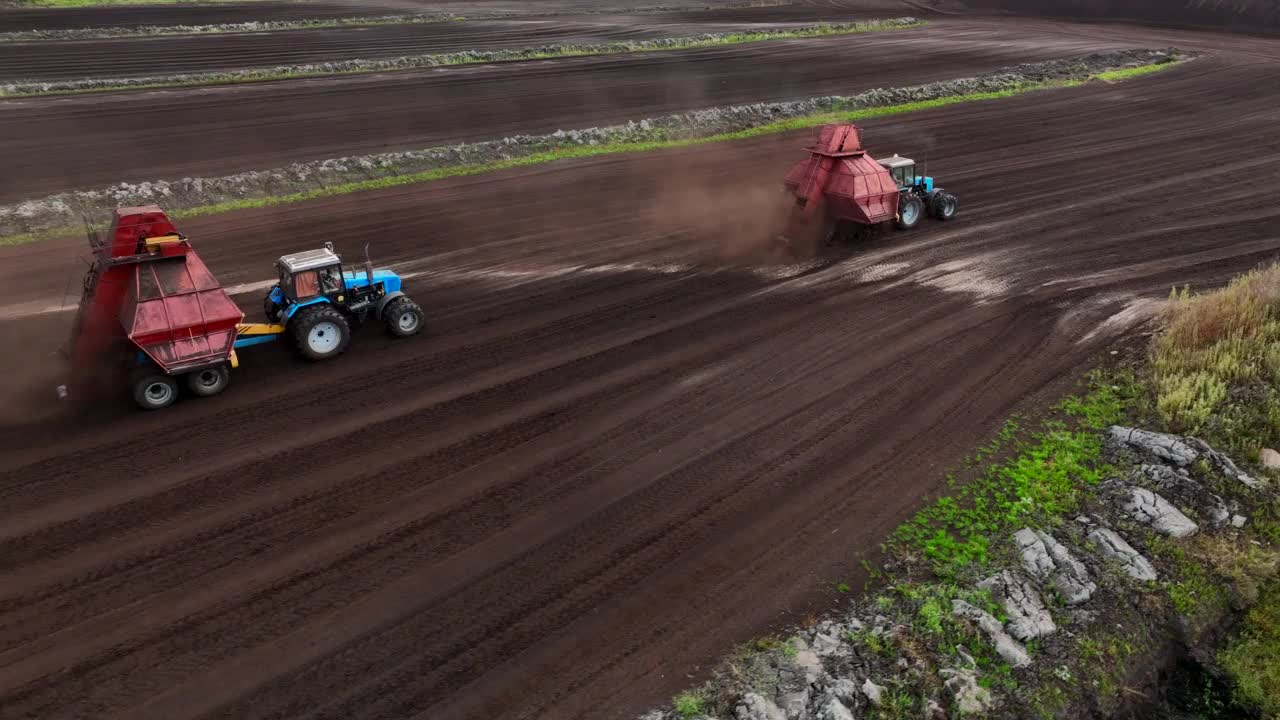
311 274
903 172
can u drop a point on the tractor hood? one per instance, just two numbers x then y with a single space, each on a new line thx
357 278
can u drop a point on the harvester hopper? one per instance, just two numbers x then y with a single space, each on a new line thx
148 292
153 312
840 187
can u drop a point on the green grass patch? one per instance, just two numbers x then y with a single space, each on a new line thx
573 152
1253 657
1045 477
688 704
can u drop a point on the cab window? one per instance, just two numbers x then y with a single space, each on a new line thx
330 280
306 284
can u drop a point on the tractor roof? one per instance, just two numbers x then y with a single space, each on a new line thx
896 161
309 260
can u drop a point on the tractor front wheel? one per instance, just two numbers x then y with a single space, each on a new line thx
209 381
943 206
909 211
403 317
155 391
320 332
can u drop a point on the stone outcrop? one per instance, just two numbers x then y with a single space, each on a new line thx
1008 648
1116 548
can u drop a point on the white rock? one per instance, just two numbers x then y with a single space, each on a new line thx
1182 487
845 690
1008 648
827 644
1113 546
794 704
970 697
1238 521
1270 459
833 709
1162 445
1152 509
1035 556
875 693
1028 617
1224 464
809 663
1070 577
755 707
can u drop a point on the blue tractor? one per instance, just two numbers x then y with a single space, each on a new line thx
917 194
317 301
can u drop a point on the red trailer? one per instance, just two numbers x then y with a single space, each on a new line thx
151 308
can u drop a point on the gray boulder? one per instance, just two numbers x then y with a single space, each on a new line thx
1170 448
795 704
1008 648
1270 459
809 664
1028 617
833 709
1113 546
875 693
1152 509
1179 485
1070 578
1224 464
970 698
1035 555
755 707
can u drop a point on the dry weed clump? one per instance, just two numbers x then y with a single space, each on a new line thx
1220 353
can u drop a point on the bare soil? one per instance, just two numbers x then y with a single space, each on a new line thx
624 444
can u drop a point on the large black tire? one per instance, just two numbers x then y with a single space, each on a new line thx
209 381
910 210
269 309
403 317
943 205
154 391
320 332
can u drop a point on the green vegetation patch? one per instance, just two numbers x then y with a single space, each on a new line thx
1253 658
1044 478
1217 365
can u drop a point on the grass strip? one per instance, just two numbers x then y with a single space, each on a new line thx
580 152
410 62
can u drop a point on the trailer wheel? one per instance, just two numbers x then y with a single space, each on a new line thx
403 317
155 392
909 211
944 206
209 381
320 332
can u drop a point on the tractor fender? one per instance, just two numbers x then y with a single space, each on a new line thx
293 309
386 300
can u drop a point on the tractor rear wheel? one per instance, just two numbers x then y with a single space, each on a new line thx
909 211
209 381
320 332
403 317
154 391
943 206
